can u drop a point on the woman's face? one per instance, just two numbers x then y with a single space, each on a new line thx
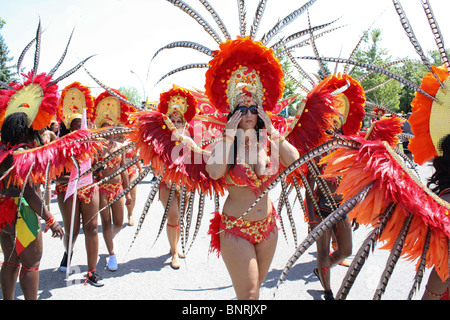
75 124
54 127
177 121
249 116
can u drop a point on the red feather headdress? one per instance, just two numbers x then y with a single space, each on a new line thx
34 97
244 65
178 99
110 109
74 98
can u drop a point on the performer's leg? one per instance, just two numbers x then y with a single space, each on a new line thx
173 224
343 233
106 223
90 228
66 211
323 260
435 288
241 261
131 206
264 254
11 265
29 273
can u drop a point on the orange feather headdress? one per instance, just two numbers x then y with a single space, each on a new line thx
244 66
178 99
430 119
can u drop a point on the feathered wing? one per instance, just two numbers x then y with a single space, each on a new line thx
58 152
163 147
394 183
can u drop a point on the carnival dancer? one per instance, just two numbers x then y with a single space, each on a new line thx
439 182
111 112
350 104
20 214
26 108
175 103
248 160
74 98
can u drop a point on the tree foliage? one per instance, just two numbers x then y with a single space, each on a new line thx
6 70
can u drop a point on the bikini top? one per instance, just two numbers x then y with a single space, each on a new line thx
242 175
113 163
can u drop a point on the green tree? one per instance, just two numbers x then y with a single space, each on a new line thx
6 73
371 52
132 95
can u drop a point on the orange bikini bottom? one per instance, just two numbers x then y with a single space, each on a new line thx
253 231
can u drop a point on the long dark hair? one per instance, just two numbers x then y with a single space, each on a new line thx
441 177
15 129
259 126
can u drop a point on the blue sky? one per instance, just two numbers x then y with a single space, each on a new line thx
124 35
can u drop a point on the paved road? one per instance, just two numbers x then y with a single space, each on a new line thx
144 272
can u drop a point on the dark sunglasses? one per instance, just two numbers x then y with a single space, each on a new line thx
244 110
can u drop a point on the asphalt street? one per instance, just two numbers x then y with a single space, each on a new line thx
145 274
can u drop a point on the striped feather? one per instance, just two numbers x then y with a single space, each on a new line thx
189 212
289 211
386 65
300 34
422 266
283 23
70 72
300 69
183 68
111 156
22 55
315 50
436 32
393 258
110 91
280 217
37 53
242 18
7 86
257 19
55 68
46 184
148 203
217 19
201 207
197 17
186 44
300 200
128 189
388 73
363 252
182 207
323 227
166 211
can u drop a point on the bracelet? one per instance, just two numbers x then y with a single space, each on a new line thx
50 221
279 139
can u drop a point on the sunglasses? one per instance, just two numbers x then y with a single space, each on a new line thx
244 110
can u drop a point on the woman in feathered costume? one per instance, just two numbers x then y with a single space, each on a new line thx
112 112
179 106
74 99
25 108
248 158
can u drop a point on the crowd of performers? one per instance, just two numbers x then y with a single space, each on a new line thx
342 173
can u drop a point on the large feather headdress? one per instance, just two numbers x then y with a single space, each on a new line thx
37 95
